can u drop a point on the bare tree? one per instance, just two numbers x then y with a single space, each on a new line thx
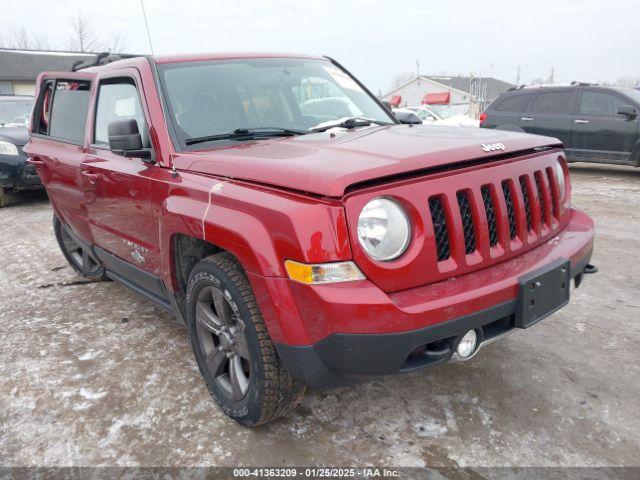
118 43
19 38
83 36
402 78
628 82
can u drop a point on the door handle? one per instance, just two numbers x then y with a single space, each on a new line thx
526 119
91 178
36 162
582 121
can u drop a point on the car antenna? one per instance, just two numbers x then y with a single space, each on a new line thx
146 24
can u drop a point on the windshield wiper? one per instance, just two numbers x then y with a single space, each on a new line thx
247 134
351 122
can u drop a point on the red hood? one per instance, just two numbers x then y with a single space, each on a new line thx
320 164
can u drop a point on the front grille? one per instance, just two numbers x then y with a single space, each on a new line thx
470 227
440 229
492 223
511 212
30 176
527 205
467 222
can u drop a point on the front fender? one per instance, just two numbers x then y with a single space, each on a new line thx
262 227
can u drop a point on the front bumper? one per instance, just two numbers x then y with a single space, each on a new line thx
358 332
343 359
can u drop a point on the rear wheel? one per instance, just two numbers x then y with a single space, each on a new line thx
76 254
232 346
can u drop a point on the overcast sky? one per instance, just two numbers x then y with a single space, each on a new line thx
591 40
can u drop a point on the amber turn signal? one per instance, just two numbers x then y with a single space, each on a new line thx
318 273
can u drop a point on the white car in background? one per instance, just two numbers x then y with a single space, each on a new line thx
444 115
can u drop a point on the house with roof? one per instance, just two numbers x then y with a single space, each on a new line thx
19 69
444 89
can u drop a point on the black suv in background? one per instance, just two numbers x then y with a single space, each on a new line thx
596 124
15 173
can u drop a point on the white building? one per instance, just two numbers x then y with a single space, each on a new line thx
461 91
20 68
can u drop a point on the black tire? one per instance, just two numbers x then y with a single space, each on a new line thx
228 335
3 198
80 259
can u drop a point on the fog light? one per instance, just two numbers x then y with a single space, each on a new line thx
467 344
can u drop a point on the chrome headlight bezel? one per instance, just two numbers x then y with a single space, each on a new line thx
398 224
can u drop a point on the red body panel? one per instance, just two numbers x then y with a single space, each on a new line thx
327 163
272 200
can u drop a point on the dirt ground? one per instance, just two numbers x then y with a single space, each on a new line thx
93 374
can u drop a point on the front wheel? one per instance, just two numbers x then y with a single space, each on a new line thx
232 347
79 257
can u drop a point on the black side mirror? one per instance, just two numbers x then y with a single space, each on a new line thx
125 139
408 118
628 111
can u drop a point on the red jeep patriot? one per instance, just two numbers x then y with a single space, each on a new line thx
302 234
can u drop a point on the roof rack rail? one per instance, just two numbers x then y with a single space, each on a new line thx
101 59
583 84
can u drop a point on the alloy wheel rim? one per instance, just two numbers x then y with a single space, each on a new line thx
79 255
223 343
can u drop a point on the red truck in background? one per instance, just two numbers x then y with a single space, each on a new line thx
301 233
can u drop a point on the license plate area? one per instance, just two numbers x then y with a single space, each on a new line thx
543 292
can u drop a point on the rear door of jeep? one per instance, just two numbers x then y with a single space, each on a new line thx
56 146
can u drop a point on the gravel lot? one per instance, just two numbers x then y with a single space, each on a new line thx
93 374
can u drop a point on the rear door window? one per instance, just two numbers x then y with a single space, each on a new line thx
514 103
600 103
553 102
68 110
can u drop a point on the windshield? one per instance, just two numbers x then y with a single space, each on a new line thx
15 112
425 114
443 111
632 93
448 110
217 97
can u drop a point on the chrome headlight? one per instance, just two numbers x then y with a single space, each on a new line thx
383 229
7 148
560 178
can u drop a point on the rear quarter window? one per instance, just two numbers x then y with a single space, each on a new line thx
514 103
62 110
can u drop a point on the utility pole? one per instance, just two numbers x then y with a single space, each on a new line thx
518 76
417 68
551 76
